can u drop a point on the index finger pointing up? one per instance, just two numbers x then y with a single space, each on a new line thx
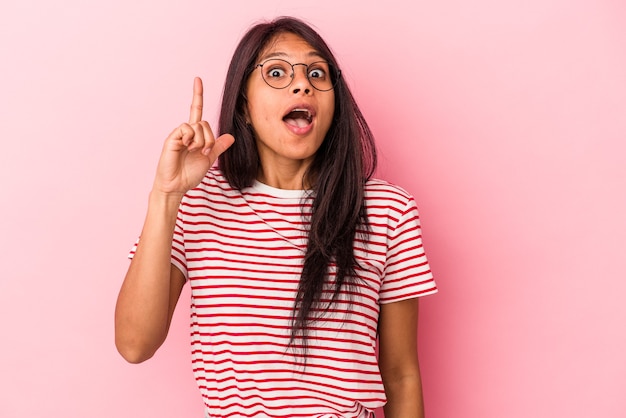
195 113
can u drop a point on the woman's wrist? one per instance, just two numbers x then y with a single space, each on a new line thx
169 199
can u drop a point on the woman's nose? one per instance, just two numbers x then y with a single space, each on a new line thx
300 80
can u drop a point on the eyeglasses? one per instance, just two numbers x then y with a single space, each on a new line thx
279 74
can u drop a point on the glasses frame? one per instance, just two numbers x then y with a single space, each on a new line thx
331 69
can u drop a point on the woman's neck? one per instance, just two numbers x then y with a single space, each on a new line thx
288 178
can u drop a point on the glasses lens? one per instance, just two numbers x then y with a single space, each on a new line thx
277 73
320 75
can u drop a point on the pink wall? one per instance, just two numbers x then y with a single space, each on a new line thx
507 120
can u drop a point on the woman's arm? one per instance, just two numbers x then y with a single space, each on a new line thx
152 286
398 359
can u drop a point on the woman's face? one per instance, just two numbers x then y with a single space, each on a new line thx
291 123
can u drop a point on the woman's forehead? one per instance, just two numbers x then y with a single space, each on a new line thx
286 45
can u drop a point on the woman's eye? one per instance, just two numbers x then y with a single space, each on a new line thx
276 72
317 73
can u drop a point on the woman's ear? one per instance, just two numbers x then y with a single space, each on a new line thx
246 114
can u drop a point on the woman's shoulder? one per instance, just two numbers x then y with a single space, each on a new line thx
214 176
379 189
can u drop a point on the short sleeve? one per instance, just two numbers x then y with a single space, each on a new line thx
407 273
178 258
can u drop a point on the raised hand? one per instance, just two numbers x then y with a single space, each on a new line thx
189 151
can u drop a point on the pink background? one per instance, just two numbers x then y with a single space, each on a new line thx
506 120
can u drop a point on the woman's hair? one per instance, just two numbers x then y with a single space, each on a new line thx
344 162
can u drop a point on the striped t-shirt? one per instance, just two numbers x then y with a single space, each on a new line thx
242 252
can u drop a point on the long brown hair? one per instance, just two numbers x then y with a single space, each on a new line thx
344 162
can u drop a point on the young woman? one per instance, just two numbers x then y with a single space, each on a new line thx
298 260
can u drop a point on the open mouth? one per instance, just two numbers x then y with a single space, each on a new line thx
299 117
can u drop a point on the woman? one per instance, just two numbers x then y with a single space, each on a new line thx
297 260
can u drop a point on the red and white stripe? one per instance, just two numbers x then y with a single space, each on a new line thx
242 252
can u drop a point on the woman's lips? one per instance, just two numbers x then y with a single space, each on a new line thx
298 126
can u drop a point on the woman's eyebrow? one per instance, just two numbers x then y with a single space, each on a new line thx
279 54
